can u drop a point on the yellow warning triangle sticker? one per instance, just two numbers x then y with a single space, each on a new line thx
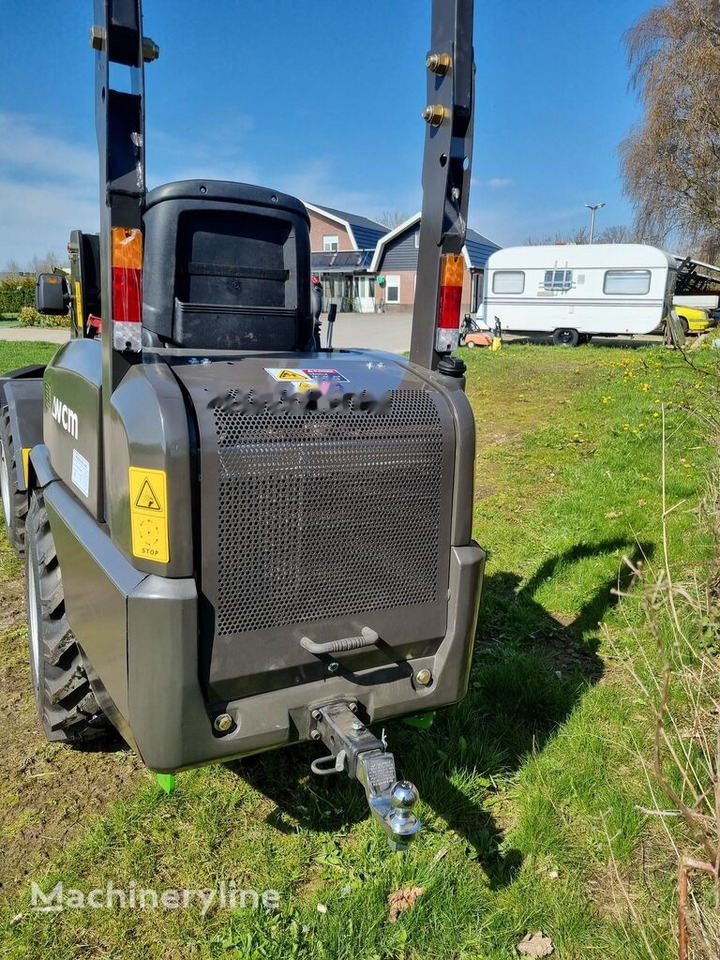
147 499
292 375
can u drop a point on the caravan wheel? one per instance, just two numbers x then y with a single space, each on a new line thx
566 337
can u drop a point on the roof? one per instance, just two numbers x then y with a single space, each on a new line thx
342 261
364 233
582 256
477 247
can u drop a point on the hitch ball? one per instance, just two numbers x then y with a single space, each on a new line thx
401 820
404 795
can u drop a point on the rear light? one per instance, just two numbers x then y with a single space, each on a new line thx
127 253
447 332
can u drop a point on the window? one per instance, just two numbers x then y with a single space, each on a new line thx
330 243
508 281
558 279
632 283
392 287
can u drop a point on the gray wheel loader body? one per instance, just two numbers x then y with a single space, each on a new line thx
261 541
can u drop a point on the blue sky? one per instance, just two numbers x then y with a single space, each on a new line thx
322 99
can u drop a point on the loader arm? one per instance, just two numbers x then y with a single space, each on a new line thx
446 175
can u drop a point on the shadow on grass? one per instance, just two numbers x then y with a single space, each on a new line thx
529 671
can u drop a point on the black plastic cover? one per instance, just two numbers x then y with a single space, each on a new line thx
51 294
227 266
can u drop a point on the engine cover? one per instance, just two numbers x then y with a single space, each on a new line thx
325 497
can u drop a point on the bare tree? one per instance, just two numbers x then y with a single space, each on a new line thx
580 235
671 161
393 218
45 264
13 267
618 233
35 265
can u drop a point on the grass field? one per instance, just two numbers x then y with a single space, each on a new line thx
533 794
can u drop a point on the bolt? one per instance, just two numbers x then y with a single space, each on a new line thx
434 114
223 722
151 51
333 667
352 707
424 677
316 715
97 37
438 63
314 734
357 725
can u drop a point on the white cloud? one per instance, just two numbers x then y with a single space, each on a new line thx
49 184
31 152
48 187
38 217
498 183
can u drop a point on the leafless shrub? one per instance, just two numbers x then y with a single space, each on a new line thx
681 683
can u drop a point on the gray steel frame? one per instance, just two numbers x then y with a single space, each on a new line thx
447 167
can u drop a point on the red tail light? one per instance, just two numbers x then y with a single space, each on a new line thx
447 332
127 253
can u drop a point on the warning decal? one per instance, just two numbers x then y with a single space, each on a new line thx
147 498
286 374
148 514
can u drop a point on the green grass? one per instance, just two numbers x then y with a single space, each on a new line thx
530 787
15 354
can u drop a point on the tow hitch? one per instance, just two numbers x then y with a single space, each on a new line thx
357 751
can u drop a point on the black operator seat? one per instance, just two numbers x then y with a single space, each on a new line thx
226 267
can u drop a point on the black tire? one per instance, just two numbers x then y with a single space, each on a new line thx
14 501
66 706
566 337
685 325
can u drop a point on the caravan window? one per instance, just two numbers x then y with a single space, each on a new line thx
630 282
558 279
508 281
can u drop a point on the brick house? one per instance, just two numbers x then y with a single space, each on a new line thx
395 266
365 267
342 247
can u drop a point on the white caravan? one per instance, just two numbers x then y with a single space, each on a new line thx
578 291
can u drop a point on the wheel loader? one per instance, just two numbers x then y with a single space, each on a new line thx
236 538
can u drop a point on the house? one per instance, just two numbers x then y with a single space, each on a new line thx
343 245
363 266
395 266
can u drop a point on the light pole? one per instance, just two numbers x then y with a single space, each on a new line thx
592 207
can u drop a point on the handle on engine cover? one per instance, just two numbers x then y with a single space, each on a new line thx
367 638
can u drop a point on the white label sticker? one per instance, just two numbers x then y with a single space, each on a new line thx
81 473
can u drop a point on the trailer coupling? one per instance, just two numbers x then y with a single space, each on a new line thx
358 752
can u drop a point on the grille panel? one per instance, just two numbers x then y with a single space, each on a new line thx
326 513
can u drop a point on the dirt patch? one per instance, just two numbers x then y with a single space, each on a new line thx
48 792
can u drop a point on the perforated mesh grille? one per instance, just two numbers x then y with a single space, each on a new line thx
327 513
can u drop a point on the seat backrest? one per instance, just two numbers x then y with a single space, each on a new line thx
226 267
